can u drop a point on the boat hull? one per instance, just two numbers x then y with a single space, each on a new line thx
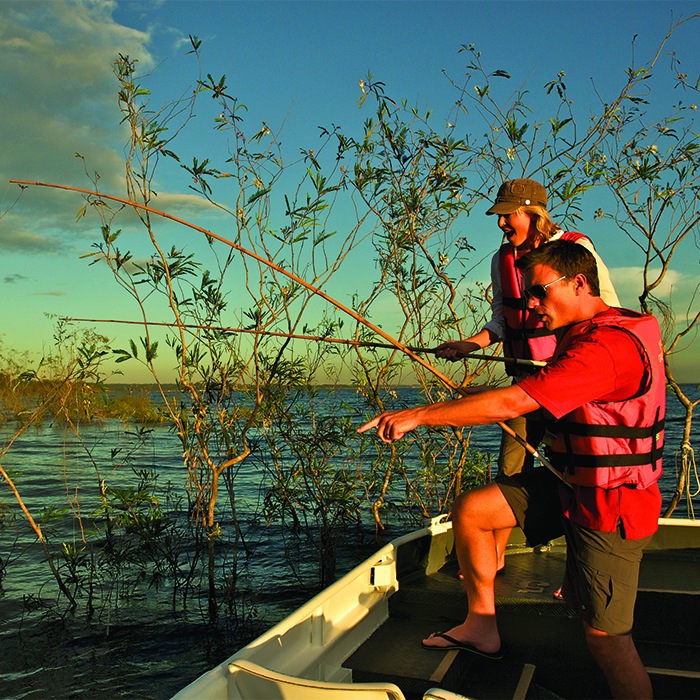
409 588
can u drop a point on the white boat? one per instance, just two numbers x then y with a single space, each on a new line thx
360 637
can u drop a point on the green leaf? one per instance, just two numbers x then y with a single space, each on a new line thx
257 195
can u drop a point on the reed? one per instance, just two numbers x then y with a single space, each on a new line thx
247 394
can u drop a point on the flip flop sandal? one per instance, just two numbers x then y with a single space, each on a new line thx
461 646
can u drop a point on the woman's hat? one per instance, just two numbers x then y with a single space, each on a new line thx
514 194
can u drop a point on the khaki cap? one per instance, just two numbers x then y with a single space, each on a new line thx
514 194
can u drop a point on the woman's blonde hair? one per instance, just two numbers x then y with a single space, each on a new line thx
543 223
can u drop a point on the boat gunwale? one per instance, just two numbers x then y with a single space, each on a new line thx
668 537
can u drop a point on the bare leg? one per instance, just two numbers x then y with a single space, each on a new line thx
512 459
501 537
618 659
475 516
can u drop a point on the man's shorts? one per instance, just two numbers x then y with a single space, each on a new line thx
602 568
534 499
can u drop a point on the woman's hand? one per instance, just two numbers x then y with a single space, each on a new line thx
454 350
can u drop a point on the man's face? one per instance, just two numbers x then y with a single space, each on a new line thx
551 297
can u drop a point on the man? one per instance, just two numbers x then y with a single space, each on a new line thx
606 389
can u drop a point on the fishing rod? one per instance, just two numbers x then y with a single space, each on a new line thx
323 338
314 290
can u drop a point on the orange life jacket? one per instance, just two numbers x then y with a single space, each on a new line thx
526 337
610 444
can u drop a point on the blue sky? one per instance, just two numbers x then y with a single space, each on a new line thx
297 63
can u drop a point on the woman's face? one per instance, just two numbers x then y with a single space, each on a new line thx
518 228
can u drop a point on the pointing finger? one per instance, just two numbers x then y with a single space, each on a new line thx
368 426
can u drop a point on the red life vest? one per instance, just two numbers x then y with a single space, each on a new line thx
610 444
526 337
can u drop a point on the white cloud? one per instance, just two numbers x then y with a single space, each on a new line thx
676 287
191 204
680 291
58 97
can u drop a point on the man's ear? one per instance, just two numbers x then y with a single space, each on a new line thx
580 284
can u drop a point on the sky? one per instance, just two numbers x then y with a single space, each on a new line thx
296 66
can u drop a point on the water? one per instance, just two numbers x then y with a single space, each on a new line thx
141 646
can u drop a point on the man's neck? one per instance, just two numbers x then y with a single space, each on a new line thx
592 308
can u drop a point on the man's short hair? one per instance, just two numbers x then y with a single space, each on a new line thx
565 258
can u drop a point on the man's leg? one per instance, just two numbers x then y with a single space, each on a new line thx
476 516
618 659
602 571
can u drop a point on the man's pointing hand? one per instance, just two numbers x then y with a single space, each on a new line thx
392 425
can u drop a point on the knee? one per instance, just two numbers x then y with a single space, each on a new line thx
606 647
462 506
468 509
484 507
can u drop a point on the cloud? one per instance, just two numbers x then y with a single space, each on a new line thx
59 99
191 204
676 288
15 277
59 102
15 237
680 291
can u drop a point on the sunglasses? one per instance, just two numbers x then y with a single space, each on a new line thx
539 291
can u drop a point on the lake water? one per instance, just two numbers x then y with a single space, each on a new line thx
144 648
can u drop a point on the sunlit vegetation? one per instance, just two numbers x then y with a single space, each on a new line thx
78 401
251 405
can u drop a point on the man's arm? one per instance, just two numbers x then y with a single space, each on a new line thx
477 409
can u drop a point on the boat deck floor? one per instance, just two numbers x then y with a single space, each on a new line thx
545 653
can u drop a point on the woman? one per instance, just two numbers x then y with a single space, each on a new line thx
523 218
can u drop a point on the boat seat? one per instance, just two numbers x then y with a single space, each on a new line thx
440 694
254 682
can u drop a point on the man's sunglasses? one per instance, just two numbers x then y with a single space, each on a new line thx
539 291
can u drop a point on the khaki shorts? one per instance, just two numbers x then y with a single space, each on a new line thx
602 573
602 568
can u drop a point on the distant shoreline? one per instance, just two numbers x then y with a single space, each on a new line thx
123 386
